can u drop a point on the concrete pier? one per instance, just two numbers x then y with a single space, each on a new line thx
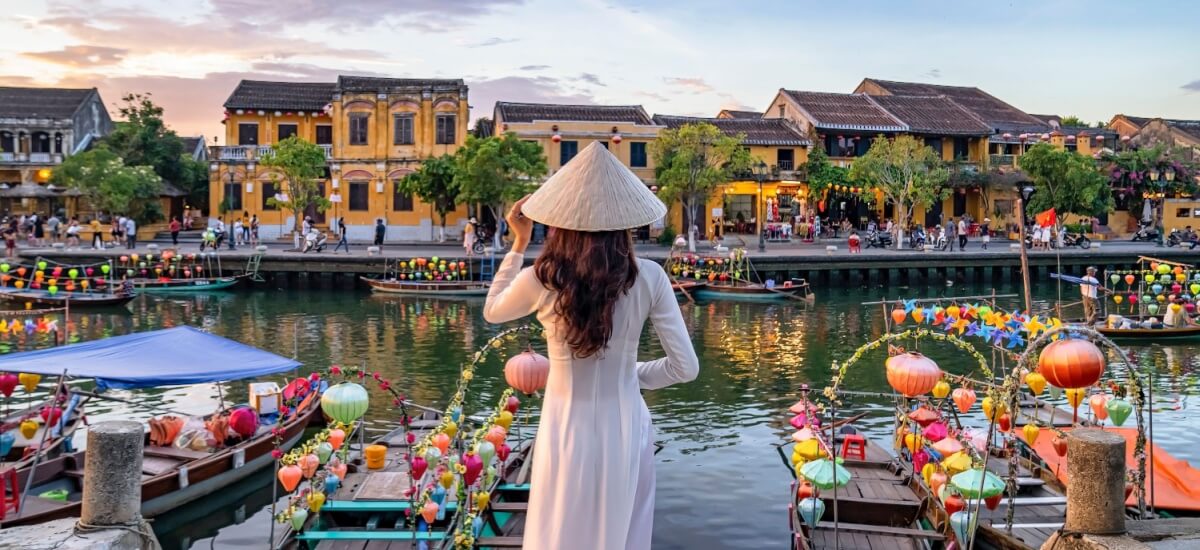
1096 496
112 479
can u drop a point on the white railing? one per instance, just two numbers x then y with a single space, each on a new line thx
7 156
328 150
262 151
234 153
39 157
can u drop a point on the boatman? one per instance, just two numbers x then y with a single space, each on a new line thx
1088 289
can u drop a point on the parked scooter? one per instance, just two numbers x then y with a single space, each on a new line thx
1146 232
879 239
315 240
1076 239
1180 238
916 239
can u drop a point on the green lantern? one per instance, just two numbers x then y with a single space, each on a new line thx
105 269
345 402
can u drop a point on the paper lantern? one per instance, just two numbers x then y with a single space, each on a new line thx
336 437
811 511
1060 446
527 371
429 511
1075 396
289 477
898 315
473 465
1099 405
29 381
1036 381
992 410
912 374
941 389
923 416
28 428
50 415
8 383
345 402
1071 363
6 443
1129 279
1031 432
299 516
964 398
315 500
964 524
308 465
1118 410
244 422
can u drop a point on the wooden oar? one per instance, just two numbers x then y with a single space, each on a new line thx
685 293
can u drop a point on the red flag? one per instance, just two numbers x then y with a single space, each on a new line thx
1047 218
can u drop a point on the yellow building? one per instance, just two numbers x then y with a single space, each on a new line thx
782 151
374 132
846 125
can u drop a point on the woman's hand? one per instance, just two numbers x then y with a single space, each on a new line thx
520 226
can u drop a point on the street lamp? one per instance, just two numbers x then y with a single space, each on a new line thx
759 170
1163 179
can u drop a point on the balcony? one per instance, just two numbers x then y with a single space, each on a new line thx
31 158
998 161
328 150
252 152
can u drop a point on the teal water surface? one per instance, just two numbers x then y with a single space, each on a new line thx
721 483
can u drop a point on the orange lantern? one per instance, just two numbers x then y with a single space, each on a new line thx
963 399
912 374
1071 363
898 315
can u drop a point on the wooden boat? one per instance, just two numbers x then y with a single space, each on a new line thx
24 449
754 292
1041 507
428 288
882 506
42 297
681 287
171 476
1151 334
191 284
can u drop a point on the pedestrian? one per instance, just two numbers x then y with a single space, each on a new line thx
469 237
341 228
53 225
951 233
117 229
380 229
245 227
237 231
986 230
254 230
962 234
131 233
234 234
73 233
1088 289
39 230
10 239
175 227
97 235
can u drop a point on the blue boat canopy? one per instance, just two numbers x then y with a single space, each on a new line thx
173 356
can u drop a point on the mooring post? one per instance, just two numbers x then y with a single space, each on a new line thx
1096 466
112 475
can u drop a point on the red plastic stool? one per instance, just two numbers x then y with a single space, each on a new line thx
11 495
854 446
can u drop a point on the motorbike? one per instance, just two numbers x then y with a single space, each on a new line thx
1076 239
916 240
1146 232
878 239
1180 238
315 240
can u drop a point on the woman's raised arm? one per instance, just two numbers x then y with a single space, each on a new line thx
680 364
514 293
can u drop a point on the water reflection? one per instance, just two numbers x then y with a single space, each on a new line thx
718 462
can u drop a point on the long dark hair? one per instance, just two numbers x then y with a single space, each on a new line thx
589 270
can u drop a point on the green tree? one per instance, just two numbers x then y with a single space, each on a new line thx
497 170
906 172
690 161
143 139
1071 120
302 165
483 127
1065 181
823 174
434 183
112 186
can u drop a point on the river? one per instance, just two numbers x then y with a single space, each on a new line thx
721 483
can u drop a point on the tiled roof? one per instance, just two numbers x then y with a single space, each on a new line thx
529 112
933 115
299 96
1190 127
350 83
845 112
729 113
56 103
1000 116
190 142
1137 120
757 131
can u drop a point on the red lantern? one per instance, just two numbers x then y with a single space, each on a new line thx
556 138
912 374
244 421
616 138
993 501
1071 363
527 371
955 503
1060 446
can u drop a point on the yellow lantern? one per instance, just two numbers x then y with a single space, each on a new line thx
1031 433
913 442
1036 382
809 449
1075 396
450 429
941 390
927 471
28 428
993 411
956 463
29 381
447 479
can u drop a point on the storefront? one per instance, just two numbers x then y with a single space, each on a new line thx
783 204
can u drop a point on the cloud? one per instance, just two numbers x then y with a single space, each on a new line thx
728 101
534 67
541 89
651 95
591 79
493 41
696 85
429 15
933 73
81 56
17 80
1193 86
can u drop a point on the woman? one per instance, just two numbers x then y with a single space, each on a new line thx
469 237
593 471
175 227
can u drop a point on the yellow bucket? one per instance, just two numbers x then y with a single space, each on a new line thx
376 456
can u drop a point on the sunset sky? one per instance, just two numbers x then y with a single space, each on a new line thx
1088 58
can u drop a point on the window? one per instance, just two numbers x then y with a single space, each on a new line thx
359 124
445 129
268 193
637 154
233 196
358 195
402 129
603 144
567 151
248 133
936 145
785 159
324 134
961 148
285 131
401 202
1183 212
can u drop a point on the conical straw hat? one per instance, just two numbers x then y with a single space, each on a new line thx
594 192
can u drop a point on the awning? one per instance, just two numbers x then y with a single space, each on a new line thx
174 356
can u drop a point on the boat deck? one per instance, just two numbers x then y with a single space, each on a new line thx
1040 510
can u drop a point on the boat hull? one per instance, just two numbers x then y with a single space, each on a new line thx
43 298
749 293
206 284
422 288
1184 333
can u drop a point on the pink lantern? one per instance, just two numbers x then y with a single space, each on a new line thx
1007 135
616 138
419 465
474 465
527 371
1099 138
935 432
947 446
243 421
556 138
920 459
8 382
